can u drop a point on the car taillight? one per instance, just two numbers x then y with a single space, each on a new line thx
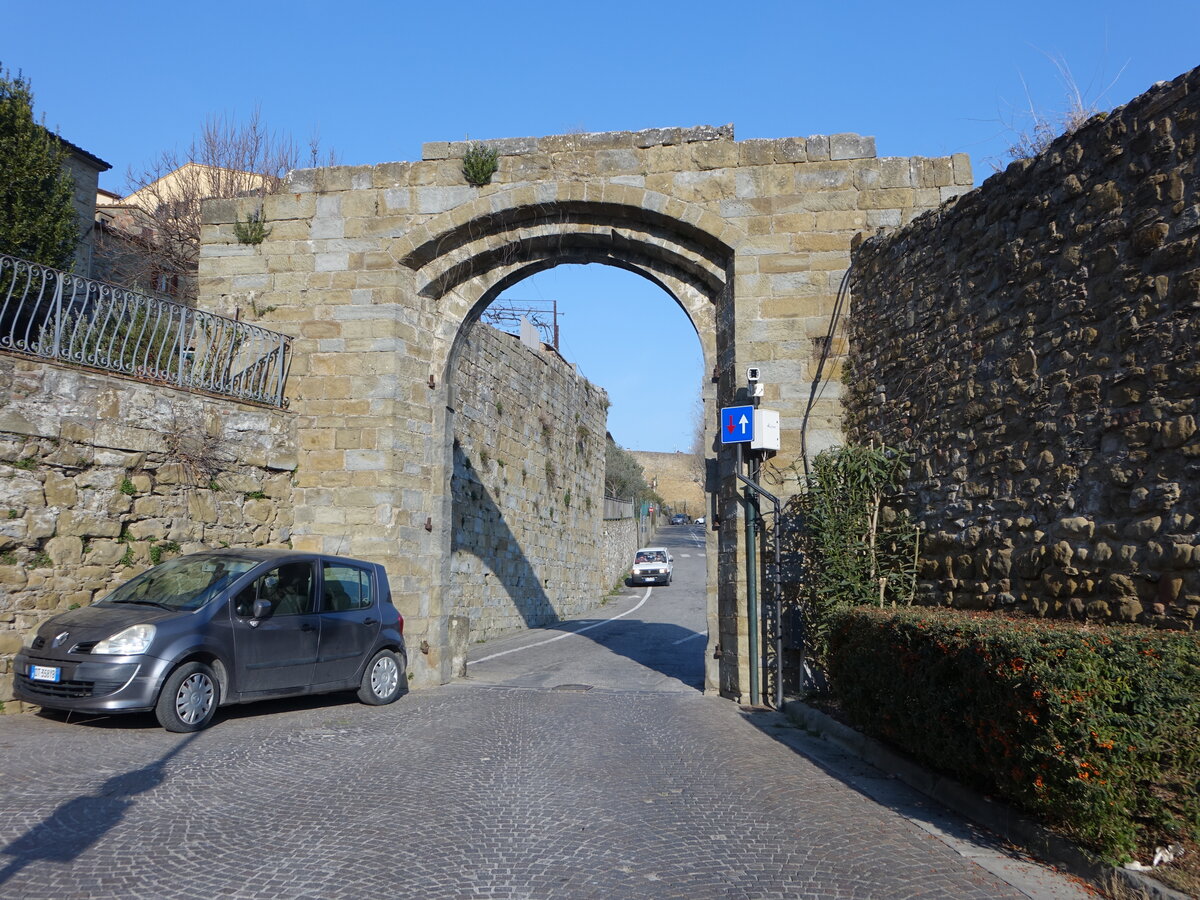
400 626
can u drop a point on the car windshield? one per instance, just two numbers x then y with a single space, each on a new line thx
650 556
185 583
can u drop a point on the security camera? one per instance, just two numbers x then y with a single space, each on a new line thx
752 375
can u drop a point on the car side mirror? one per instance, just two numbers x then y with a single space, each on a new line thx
262 609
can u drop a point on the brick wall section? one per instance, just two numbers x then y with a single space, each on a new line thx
528 483
90 495
1034 345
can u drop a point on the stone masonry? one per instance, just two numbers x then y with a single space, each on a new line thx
376 271
528 542
1034 347
101 477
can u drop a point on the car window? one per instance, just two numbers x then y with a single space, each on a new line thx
347 588
287 587
187 582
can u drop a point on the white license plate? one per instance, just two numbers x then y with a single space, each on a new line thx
45 673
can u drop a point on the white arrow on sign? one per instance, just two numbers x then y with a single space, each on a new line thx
743 421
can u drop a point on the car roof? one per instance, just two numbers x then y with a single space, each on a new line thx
650 549
263 554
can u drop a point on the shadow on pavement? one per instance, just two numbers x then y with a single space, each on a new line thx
671 650
963 836
79 823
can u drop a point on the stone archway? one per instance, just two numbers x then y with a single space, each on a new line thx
464 259
376 269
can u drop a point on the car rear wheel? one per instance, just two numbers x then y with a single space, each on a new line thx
383 680
189 699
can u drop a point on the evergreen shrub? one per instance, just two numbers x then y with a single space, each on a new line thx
1095 730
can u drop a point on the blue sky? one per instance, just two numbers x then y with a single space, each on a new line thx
126 80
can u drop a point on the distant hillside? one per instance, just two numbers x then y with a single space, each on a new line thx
680 479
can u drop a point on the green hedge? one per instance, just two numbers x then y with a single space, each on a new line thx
1094 730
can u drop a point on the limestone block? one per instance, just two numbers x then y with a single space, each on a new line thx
202 505
851 146
817 147
759 152
106 553
20 489
13 578
40 523
258 512
79 523
714 154
147 530
65 550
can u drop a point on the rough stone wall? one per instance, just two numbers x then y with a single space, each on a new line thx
374 270
91 491
620 543
1034 345
527 486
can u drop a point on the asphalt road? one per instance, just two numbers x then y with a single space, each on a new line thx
576 761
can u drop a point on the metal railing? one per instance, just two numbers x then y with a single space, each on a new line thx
58 316
617 509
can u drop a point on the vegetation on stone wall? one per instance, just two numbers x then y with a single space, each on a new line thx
1096 731
857 545
253 230
480 163
231 159
37 215
624 478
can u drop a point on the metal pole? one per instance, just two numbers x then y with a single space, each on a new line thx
752 485
751 586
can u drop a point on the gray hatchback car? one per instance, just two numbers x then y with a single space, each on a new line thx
221 627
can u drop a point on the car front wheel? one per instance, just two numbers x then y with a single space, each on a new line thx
383 680
189 699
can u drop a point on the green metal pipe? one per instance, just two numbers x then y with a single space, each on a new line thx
752 593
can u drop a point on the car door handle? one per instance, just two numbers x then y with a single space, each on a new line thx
370 621
307 627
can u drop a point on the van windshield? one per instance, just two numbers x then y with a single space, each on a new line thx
185 583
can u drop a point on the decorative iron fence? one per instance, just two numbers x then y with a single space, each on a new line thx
67 318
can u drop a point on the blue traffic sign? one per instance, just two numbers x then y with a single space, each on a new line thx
737 424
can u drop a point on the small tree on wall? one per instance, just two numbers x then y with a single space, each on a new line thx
857 547
227 159
37 216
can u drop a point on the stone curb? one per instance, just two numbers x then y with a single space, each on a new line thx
994 816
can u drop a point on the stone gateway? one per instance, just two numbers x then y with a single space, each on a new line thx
378 272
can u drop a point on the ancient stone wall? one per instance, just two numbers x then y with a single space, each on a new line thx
528 484
1034 346
101 477
620 543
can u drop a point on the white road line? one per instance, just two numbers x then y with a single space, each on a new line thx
690 637
568 634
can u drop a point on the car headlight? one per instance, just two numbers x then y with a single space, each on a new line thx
129 642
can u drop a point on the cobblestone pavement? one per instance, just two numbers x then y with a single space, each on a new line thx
477 789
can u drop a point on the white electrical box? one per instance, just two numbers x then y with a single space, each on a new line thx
766 430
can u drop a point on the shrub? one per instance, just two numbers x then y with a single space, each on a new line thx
855 546
157 551
480 163
1094 730
252 231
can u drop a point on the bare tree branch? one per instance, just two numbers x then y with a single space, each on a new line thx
226 159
